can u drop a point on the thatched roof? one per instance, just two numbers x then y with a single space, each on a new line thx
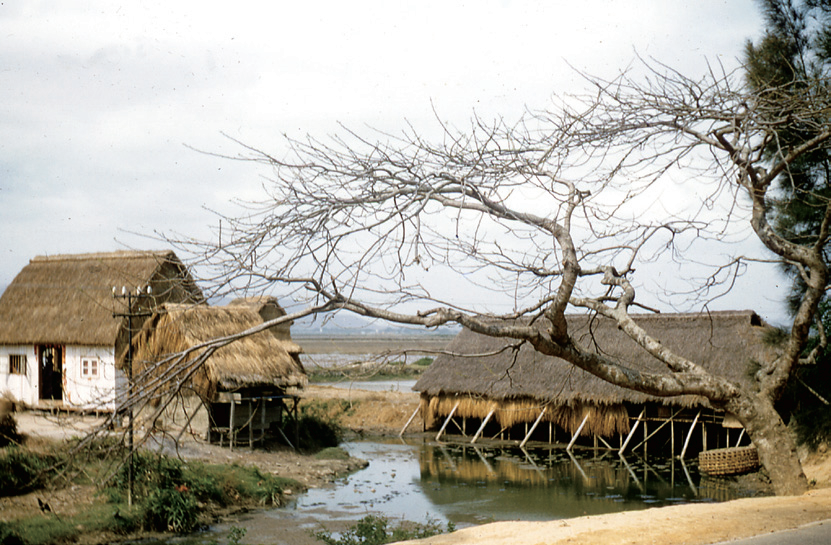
724 343
67 299
268 308
258 360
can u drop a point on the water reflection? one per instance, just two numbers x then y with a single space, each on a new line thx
471 485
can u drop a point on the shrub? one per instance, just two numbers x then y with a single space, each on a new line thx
374 530
22 470
172 509
8 430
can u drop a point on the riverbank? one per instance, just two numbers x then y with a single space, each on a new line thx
369 413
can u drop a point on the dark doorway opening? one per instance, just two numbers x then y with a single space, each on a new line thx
50 359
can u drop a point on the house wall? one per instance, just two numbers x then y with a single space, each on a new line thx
83 388
20 388
90 379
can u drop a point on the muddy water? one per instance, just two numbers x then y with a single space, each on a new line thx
422 481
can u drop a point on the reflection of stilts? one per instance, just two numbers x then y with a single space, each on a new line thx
631 471
531 461
689 479
447 458
578 466
487 464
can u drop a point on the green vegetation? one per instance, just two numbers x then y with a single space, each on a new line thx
169 495
332 453
374 530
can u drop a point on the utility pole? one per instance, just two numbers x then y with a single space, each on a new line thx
130 314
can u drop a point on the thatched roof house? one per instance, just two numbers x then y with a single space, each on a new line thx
244 383
58 332
260 360
480 376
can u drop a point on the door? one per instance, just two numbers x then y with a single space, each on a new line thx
50 359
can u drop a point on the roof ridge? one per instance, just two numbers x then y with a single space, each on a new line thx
118 254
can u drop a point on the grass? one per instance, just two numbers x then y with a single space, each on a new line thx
169 496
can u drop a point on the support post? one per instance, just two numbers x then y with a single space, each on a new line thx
446 422
536 423
410 421
689 435
231 424
482 427
577 433
631 432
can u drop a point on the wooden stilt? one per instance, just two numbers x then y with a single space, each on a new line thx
689 435
410 421
647 438
536 422
251 423
740 437
482 427
577 433
231 425
446 422
631 432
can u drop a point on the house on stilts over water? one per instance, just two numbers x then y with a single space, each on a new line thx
483 387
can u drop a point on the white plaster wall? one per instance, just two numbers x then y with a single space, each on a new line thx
90 392
21 388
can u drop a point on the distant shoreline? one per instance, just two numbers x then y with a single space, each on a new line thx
371 344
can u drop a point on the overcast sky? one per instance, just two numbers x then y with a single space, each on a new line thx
100 100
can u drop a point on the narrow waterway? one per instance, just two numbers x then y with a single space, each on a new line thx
421 481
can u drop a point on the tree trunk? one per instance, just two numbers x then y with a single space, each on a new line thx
774 442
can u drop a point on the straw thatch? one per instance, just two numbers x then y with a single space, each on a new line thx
254 361
520 383
268 308
67 299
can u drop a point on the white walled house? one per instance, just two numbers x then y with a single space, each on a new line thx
61 327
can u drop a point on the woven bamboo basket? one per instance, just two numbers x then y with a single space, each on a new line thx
728 461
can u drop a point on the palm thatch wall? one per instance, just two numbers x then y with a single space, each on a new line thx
481 376
254 361
68 299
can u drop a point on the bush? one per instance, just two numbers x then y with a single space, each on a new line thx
374 530
172 510
22 470
319 423
8 430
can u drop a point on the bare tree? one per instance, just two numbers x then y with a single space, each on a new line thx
566 210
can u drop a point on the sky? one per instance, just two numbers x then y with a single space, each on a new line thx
102 103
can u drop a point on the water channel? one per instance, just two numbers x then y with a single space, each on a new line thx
420 480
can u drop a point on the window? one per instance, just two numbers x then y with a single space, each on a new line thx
89 368
17 364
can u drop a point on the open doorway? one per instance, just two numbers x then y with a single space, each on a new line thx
50 359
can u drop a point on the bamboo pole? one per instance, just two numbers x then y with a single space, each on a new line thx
446 422
536 422
689 435
577 433
656 430
410 421
482 427
632 432
740 437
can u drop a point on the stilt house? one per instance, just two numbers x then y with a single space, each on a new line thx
246 385
61 327
487 389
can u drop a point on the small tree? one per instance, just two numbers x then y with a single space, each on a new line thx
566 210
